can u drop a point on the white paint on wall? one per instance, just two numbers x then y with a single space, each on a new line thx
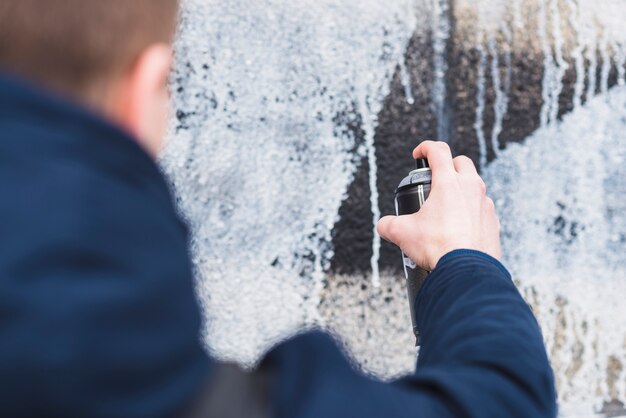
560 196
261 164
480 104
258 157
441 27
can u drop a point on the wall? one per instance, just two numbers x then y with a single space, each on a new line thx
295 121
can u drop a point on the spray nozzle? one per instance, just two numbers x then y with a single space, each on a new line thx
421 163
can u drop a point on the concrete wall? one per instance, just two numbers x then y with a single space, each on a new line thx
295 121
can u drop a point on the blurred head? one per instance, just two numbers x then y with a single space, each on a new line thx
113 56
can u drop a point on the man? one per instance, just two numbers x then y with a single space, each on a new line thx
98 316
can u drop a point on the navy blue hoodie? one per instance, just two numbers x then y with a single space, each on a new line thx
98 316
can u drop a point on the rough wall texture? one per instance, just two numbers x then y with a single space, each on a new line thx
517 59
295 122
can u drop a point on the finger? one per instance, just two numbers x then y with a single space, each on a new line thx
387 227
491 214
398 229
490 206
491 230
491 224
464 165
481 186
439 158
405 232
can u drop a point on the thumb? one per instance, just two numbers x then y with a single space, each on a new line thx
406 232
390 229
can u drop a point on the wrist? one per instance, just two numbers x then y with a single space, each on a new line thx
470 252
462 249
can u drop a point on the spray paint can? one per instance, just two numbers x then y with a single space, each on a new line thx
410 196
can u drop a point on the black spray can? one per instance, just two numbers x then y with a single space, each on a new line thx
410 196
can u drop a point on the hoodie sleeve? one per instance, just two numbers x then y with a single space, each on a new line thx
482 355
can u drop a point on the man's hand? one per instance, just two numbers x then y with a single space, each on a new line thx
456 215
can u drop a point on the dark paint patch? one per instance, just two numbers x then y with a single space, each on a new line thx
402 126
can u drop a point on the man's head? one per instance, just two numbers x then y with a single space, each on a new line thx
112 55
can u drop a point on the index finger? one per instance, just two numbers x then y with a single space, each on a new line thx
438 155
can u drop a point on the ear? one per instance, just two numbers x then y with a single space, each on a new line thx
142 101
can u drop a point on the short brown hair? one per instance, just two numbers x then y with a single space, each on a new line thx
71 45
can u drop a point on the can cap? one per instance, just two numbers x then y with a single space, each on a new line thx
421 163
